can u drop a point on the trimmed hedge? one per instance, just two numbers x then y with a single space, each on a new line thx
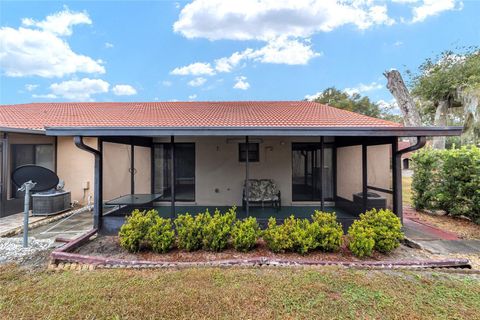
448 180
302 236
245 234
146 229
375 230
216 229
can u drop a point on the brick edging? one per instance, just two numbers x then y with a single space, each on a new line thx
62 255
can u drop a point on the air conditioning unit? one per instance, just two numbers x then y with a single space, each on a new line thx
50 202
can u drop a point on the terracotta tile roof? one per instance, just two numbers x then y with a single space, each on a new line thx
183 114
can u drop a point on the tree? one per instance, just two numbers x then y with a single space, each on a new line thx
448 91
353 102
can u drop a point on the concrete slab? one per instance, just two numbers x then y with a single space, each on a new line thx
416 231
450 246
68 228
15 221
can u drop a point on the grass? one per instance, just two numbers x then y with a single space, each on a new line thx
407 190
241 293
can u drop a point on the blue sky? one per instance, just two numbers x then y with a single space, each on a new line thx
219 50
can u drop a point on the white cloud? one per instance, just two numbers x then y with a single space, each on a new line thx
194 69
197 82
80 90
167 83
124 90
31 87
311 97
398 43
190 97
108 45
43 53
285 51
241 83
434 7
279 51
362 88
59 23
389 106
44 96
264 20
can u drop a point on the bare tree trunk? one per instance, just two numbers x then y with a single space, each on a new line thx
440 121
411 117
471 104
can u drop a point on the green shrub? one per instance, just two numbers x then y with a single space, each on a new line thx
361 239
161 235
133 232
448 180
460 189
379 230
387 229
327 231
216 229
292 235
189 231
426 178
276 237
245 234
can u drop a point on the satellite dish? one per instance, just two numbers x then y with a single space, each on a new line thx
44 178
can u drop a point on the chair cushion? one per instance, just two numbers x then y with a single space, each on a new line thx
262 190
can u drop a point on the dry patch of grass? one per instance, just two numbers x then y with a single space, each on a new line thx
407 190
236 293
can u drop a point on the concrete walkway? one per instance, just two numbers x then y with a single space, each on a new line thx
435 240
15 221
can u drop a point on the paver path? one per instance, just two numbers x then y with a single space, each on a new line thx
435 240
15 221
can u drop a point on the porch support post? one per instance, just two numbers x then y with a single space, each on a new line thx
247 187
396 177
322 195
132 168
364 177
397 172
172 175
98 179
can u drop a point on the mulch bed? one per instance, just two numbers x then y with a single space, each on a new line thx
108 247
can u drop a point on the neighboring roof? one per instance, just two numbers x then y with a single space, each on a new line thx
404 145
165 118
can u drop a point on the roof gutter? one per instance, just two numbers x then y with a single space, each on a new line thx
22 130
253 131
397 174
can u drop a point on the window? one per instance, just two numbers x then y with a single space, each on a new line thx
38 154
253 152
184 171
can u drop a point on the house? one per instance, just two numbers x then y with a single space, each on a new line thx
407 156
188 156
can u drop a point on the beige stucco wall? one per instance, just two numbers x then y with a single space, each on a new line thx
76 168
379 169
349 170
116 170
143 170
218 168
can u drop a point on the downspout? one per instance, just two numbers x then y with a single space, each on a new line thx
397 175
98 184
